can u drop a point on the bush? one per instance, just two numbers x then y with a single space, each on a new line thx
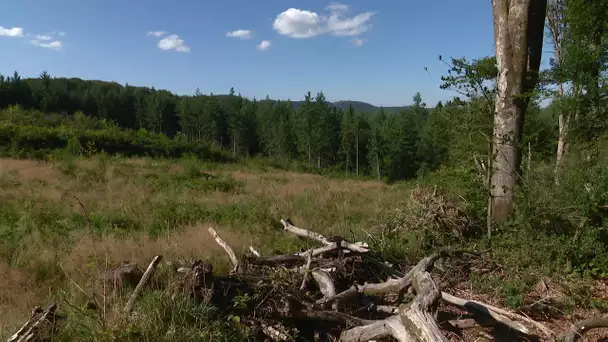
39 141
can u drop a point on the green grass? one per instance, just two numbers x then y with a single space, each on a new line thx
62 222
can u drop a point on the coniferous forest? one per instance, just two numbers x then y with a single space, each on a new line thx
384 144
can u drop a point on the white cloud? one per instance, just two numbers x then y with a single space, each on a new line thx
241 34
173 42
264 45
297 23
335 7
358 42
157 33
47 40
54 45
11 32
43 37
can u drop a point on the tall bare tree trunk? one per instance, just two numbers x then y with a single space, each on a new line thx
556 25
518 34
357 153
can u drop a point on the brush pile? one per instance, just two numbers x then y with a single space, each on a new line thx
339 291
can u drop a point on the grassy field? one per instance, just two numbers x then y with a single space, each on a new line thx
64 221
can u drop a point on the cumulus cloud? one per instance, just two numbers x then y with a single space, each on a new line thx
297 23
173 42
240 34
11 32
157 33
264 45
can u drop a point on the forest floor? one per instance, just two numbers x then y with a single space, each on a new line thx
63 221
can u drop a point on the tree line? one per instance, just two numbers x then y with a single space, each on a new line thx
317 134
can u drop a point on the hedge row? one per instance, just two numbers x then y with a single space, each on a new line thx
32 139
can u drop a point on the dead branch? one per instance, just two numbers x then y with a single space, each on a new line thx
306 271
418 317
37 325
477 308
227 248
389 286
355 247
142 282
318 251
325 283
254 251
582 327
381 329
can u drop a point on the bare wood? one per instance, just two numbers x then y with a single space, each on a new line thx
390 327
306 271
477 308
142 282
355 247
326 284
254 251
462 324
227 248
389 286
28 330
418 317
318 251
582 327
510 315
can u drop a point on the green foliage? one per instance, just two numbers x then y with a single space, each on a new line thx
38 141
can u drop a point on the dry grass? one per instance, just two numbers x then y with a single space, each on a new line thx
140 207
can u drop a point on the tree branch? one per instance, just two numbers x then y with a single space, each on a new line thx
227 248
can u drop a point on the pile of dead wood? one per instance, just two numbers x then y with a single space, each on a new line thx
338 291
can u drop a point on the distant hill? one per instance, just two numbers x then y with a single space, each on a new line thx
358 106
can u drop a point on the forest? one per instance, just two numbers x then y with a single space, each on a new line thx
384 145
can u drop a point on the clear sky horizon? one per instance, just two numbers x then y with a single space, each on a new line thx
371 51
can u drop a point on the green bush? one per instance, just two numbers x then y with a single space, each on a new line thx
39 141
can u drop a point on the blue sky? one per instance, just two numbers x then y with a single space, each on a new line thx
372 51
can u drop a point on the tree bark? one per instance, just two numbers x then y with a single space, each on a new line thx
518 34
